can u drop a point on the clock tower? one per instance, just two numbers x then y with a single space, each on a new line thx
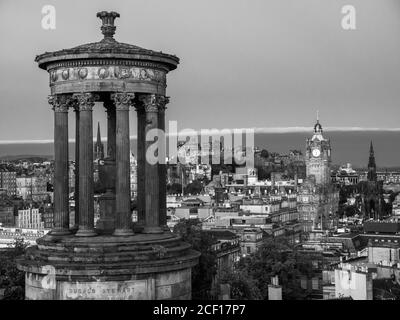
318 156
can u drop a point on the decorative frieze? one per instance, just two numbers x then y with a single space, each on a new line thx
118 72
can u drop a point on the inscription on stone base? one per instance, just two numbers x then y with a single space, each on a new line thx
127 290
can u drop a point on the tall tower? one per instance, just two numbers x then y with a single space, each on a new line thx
99 146
318 156
372 176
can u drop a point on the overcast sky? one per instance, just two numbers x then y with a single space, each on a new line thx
244 63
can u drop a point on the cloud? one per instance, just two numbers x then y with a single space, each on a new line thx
256 130
330 129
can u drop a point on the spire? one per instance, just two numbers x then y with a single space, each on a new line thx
98 146
318 127
372 176
98 133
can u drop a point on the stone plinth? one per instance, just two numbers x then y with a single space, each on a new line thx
144 266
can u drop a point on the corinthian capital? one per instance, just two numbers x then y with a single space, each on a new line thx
85 101
61 103
154 102
123 100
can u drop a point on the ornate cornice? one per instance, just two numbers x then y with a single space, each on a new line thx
61 103
107 62
123 100
85 100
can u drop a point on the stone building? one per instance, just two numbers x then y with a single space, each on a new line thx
30 218
7 218
8 181
318 156
133 165
318 198
371 191
32 188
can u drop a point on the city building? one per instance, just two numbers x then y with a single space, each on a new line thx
7 218
133 173
30 218
371 191
346 175
32 188
251 240
318 198
8 181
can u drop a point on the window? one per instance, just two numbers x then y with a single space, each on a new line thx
315 283
248 250
303 283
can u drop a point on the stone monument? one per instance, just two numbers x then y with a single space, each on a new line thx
114 260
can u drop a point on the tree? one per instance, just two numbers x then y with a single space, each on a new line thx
263 173
175 188
194 188
277 257
203 273
242 285
12 279
264 154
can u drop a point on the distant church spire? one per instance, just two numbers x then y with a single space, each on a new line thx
98 147
98 133
318 127
372 176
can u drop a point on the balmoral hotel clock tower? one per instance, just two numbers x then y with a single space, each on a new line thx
318 156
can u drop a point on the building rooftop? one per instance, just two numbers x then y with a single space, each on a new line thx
222 234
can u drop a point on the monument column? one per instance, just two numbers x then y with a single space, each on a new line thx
111 129
60 104
76 193
162 168
123 214
152 104
86 192
141 158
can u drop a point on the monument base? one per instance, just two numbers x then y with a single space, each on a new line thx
138 267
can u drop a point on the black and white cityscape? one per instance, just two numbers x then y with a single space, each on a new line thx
200 150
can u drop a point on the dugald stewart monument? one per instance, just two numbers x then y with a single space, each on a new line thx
116 259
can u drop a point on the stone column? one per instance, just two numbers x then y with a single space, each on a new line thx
76 193
111 129
86 207
60 104
141 158
123 215
162 169
152 104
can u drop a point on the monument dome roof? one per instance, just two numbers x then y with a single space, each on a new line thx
107 48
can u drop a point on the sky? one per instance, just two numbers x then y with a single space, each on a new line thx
244 63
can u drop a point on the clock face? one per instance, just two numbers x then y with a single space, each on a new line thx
316 152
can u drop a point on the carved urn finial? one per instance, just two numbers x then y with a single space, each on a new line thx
107 19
